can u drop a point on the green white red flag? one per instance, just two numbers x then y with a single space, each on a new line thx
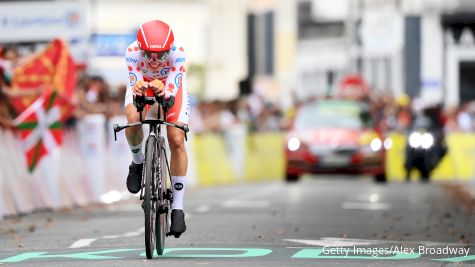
40 127
40 119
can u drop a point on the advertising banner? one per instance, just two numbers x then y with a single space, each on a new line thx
42 20
93 149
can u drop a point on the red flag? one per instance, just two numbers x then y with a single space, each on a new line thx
40 127
51 68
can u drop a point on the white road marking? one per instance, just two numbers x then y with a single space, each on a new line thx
296 193
271 189
111 236
366 197
87 242
246 200
82 243
246 204
364 206
133 233
202 209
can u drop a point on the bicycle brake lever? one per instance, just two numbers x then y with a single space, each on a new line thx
115 126
186 129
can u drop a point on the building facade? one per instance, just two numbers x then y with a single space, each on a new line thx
422 48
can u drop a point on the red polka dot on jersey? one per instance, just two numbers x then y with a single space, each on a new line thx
171 86
129 49
142 64
168 64
130 68
136 48
182 69
138 69
181 49
173 68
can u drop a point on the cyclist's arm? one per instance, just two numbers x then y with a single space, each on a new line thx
177 76
133 68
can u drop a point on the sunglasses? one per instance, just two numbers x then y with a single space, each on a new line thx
160 56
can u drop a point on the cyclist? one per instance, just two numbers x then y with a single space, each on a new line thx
156 66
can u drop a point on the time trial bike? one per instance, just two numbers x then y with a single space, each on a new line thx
157 197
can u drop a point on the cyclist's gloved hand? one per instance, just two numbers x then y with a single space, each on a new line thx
139 87
157 87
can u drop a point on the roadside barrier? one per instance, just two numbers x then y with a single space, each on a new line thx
91 164
457 165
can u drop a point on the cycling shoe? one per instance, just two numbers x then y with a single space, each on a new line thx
134 179
178 226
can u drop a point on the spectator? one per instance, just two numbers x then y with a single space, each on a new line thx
6 110
464 120
115 103
92 94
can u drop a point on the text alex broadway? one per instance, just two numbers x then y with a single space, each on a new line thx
375 252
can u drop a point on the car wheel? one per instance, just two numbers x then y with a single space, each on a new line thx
380 178
292 178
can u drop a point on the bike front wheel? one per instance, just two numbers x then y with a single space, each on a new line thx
162 215
150 194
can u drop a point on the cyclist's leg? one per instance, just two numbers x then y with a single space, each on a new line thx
178 164
134 137
134 134
178 114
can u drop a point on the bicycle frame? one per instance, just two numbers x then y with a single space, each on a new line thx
154 193
155 130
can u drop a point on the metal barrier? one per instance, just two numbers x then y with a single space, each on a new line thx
90 167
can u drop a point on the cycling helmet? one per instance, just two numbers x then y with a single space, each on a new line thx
155 36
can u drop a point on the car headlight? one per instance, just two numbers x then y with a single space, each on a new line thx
293 144
376 144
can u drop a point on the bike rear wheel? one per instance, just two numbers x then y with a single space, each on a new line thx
150 194
162 215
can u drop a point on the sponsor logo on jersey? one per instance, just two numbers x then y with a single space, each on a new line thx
132 79
178 79
156 46
131 60
180 59
171 114
164 71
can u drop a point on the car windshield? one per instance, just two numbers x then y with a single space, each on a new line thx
329 115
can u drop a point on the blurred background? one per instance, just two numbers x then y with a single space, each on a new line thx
252 66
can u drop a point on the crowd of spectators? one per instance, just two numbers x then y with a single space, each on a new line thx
94 95
397 113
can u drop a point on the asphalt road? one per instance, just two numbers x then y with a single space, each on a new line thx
317 222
